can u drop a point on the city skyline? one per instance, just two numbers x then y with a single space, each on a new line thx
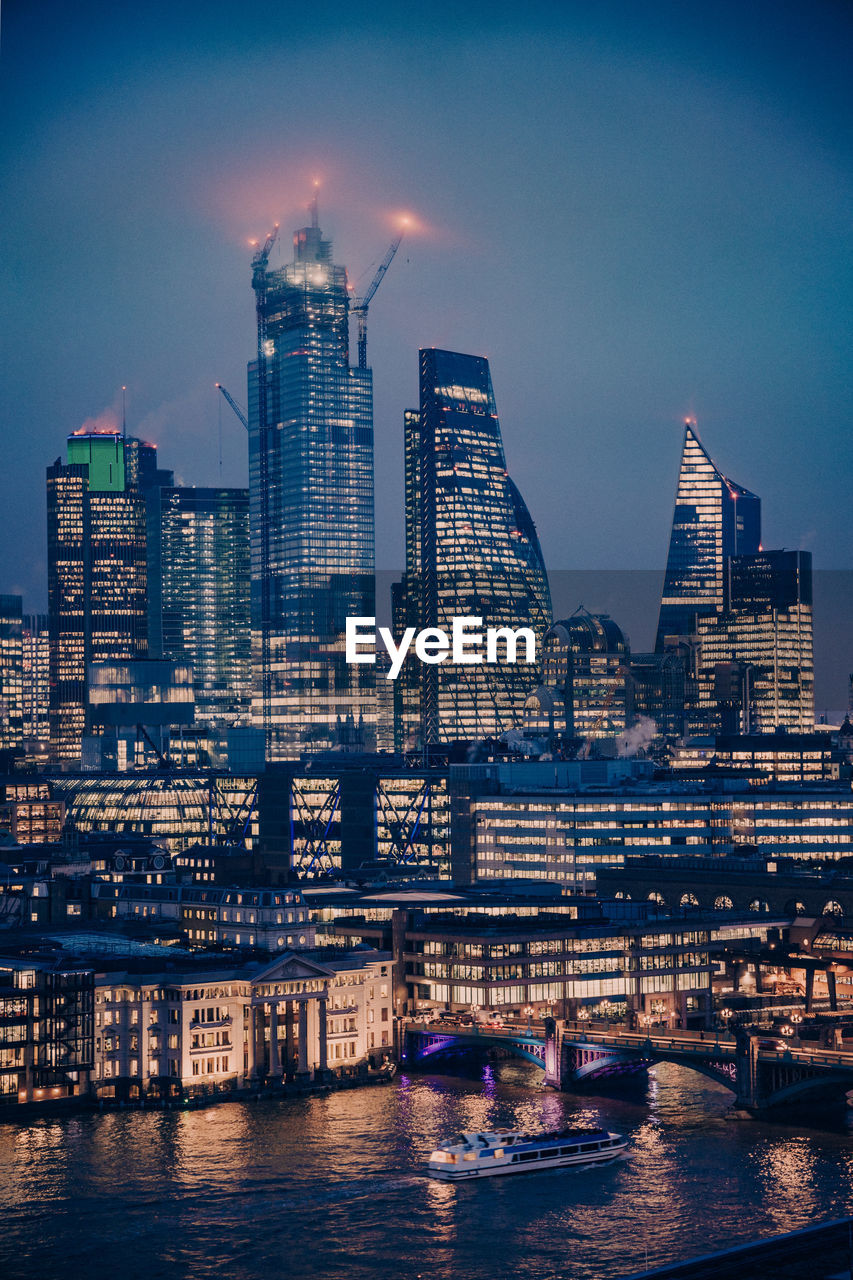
707 279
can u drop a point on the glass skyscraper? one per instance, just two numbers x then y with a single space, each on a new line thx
11 672
755 669
714 519
198 595
471 551
311 504
96 577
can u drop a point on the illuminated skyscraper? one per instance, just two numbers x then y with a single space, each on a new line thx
584 693
714 519
311 503
36 677
198 595
96 577
471 551
755 669
11 672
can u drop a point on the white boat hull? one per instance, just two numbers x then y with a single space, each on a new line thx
492 1168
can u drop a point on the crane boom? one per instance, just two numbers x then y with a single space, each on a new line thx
359 307
234 405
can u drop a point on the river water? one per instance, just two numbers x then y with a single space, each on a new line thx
332 1185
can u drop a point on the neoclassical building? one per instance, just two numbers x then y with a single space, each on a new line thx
208 1030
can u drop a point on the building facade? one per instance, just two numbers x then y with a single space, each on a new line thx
11 673
198 596
714 518
96 556
205 1032
471 551
585 690
755 668
311 503
36 661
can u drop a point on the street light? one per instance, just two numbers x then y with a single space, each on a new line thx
796 1018
528 1009
583 1015
787 1031
725 1014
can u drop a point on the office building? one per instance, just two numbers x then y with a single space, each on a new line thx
36 693
585 691
471 551
11 673
96 577
198 596
714 518
311 503
755 669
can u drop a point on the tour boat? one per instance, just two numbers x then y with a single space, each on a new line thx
482 1155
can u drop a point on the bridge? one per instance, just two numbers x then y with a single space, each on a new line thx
764 1077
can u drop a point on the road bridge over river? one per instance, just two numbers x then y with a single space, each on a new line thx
764 1075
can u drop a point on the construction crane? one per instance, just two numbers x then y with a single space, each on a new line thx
260 260
234 405
360 305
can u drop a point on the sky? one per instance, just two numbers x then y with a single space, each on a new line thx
637 212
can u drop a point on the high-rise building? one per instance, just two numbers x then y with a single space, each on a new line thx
311 503
585 664
96 577
714 519
471 551
198 596
11 672
755 670
36 644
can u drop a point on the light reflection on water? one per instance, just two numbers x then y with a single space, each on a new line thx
319 1186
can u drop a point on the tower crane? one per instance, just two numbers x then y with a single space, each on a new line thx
234 405
360 305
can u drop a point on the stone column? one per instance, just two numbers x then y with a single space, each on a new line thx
259 1011
275 1059
323 1042
288 1039
302 1068
247 1048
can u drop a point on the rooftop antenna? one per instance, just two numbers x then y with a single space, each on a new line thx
314 207
124 413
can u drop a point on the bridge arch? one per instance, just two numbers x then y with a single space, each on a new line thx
833 908
723 903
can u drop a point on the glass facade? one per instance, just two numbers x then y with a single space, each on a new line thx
36 677
755 667
714 519
97 607
311 505
198 595
471 551
11 672
585 664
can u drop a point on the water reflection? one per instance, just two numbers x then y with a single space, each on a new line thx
334 1185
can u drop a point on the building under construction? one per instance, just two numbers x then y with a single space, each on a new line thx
311 500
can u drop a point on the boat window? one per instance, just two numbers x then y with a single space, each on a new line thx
569 1151
529 1155
470 1155
498 1152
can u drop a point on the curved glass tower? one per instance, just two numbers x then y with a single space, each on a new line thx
471 551
714 519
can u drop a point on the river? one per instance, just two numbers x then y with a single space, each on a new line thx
332 1185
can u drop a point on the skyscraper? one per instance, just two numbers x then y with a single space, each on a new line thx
471 551
755 659
311 502
714 519
96 577
585 664
36 677
198 595
11 672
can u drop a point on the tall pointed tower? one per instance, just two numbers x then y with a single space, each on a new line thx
714 519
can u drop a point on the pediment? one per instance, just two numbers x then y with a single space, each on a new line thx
292 967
